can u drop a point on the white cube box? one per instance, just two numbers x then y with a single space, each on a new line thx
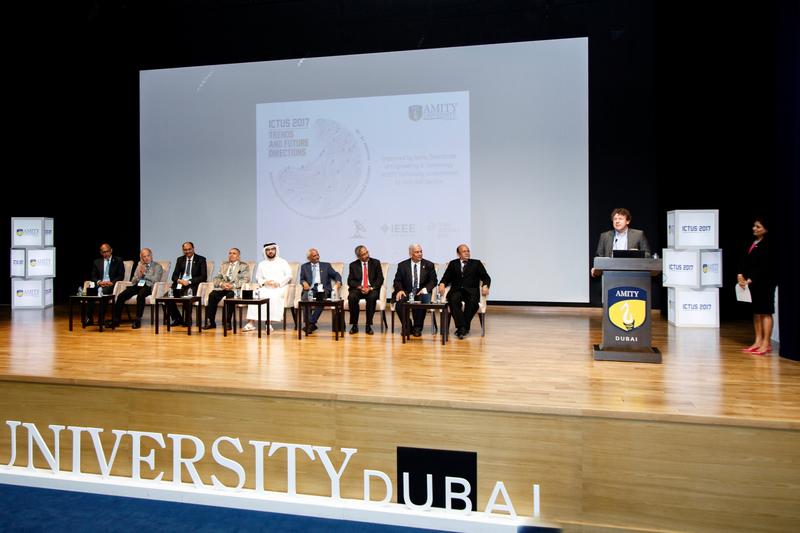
693 307
693 228
680 268
17 262
48 232
691 268
710 268
31 293
28 232
40 263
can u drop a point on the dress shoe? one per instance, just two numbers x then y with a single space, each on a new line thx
369 330
210 325
353 329
88 322
417 332
460 333
136 324
313 327
175 323
307 329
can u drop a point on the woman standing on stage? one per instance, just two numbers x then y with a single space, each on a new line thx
756 272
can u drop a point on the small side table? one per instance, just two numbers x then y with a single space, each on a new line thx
83 300
186 302
337 307
441 306
233 302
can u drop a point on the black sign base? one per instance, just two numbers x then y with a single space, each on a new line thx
650 355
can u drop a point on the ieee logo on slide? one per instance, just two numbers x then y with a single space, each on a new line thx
399 229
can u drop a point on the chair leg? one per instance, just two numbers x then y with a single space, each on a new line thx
384 323
128 311
482 317
393 323
434 325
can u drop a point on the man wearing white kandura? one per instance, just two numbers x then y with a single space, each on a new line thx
273 275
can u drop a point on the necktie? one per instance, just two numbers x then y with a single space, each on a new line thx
230 270
416 278
365 281
188 268
105 270
463 264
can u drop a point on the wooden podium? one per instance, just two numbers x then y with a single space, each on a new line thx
627 297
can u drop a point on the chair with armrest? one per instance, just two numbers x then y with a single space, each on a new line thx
481 305
380 305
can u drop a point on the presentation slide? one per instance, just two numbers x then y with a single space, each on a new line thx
330 168
483 145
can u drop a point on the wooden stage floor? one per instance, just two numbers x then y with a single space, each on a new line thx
707 441
532 360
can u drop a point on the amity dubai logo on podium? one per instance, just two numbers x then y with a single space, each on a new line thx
627 310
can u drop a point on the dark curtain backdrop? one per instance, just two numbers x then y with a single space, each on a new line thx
687 102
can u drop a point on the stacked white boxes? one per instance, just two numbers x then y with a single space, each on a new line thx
692 268
33 262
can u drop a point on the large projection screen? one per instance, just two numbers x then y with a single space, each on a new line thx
486 145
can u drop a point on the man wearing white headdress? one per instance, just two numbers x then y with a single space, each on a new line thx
272 275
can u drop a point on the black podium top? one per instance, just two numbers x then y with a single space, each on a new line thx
628 263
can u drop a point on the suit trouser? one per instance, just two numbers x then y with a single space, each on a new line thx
315 312
141 294
471 299
418 314
90 304
352 300
213 302
172 306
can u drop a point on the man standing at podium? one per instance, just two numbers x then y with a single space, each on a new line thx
622 237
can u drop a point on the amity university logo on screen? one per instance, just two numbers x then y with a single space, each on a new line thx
627 310
441 111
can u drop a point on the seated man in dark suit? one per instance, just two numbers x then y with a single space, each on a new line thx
621 237
415 276
106 271
464 275
147 273
316 276
190 271
232 275
364 281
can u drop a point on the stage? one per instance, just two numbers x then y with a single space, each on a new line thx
707 441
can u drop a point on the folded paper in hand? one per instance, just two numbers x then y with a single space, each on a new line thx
743 293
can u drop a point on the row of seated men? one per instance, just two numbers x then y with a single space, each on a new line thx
466 278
